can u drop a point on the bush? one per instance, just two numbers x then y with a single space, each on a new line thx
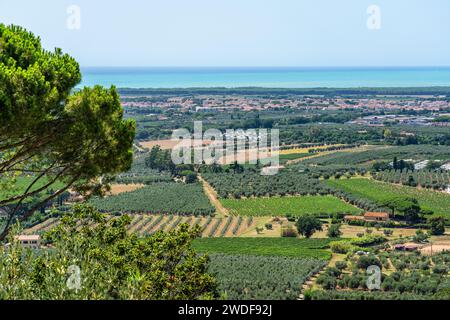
327 282
388 232
289 232
341 265
340 247
437 225
334 231
368 260
440 269
114 263
368 240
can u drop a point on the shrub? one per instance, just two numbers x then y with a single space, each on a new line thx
368 260
340 247
368 240
334 231
327 282
289 232
437 225
341 265
440 269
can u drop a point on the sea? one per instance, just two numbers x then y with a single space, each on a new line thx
269 77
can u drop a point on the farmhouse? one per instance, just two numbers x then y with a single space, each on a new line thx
368 216
376 216
30 241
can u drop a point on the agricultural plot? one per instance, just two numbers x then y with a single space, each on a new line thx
249 183
164 198
288 247
438 202
366 157
288 206
410 276
141 174
145 224
246 277
424 178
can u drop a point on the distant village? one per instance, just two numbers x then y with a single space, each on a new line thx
437 106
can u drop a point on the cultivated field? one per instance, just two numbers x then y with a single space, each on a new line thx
373 190
143 224
289 247
288 206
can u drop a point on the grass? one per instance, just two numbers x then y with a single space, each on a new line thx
288 206
293 156
21 183
438 202
286 247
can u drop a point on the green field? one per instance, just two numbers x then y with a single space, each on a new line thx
159 198
287 247
288 206
21 183
438 202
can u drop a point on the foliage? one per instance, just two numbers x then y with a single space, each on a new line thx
51 133
113 264
307 225
437 225
334 231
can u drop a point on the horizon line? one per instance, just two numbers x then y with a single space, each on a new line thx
280 67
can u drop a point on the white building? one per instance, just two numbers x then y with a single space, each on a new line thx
30 241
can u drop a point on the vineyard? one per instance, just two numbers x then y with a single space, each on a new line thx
243 277
164 198
424 179
438 202
288 206
144 225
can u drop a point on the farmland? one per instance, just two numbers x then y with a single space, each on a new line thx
405 276
249 277
166 198
365 157
252 183
145 224
288 206
377 191
424 178
288 247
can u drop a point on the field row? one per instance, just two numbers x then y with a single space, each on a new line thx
148 224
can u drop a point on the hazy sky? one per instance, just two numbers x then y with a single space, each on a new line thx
241 32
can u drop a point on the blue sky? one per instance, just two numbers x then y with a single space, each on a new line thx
241 32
